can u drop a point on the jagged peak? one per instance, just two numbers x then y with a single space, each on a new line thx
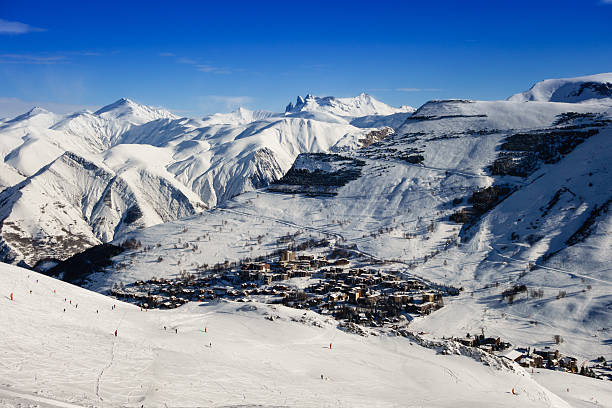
360 105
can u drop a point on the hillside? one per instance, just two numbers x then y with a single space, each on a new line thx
60 350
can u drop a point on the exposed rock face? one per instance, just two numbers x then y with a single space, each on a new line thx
523 153
319 173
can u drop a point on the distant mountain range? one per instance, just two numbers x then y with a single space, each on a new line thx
77 180
74 181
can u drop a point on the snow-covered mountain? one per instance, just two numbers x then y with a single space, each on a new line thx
129 166
361 105
133 112
68 347
577 89
484 195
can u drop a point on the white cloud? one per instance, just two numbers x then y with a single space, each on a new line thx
31 59
11 107
166 54
15 27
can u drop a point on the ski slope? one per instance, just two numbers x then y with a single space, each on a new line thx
56 358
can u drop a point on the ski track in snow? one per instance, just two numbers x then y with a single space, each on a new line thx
110 363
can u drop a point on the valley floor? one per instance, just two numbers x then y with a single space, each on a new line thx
231 354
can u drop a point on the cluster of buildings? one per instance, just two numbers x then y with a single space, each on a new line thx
546 358
366 296
371 297
489 344
290 265
552 359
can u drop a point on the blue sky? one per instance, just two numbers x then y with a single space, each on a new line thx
203 57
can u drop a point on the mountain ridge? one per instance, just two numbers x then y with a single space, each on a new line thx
206 162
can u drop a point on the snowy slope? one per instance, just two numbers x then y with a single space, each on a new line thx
398 205
8 176
577 89
60 350
74 203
